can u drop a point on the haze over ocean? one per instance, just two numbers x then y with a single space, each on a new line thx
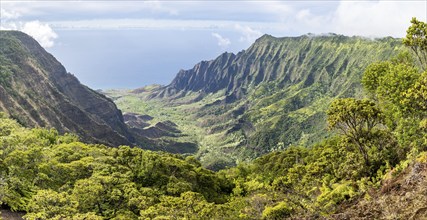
134 58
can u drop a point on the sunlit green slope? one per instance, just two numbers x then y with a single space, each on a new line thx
270 96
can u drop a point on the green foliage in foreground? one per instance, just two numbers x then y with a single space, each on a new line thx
54 176
51 176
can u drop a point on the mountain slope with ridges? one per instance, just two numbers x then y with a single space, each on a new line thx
270 96
287 61
37 91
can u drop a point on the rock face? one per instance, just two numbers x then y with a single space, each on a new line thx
36 90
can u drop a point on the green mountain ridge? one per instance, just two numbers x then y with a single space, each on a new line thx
272 95
286 60
36 90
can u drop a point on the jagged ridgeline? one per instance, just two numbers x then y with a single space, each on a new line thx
272 95
36 90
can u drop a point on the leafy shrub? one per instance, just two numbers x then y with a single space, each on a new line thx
280 211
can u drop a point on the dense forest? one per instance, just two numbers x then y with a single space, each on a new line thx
377 146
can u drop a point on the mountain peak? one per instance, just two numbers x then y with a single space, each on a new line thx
264 38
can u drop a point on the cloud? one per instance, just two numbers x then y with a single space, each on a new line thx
249 18
157 6
281 9
8 26
222 41
62 10
148 24
43 33
7 14
309 20
379 18
248 34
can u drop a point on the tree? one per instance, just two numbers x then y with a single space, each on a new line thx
355 119
416 39
280 211
391 82
48 204
416 96
373 74
399 86
189 205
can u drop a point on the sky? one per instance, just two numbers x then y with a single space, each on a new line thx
131 44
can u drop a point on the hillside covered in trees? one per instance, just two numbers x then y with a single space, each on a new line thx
275 94
51 176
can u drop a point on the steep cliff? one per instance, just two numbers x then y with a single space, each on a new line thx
36 90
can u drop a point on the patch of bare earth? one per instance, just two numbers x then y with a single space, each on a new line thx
9 215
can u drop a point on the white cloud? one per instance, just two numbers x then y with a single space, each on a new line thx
93 9
250 18
43 33
248 34
8 26
363 18
281 9
8 14
311 21
161 24
379 18
157 6
222 41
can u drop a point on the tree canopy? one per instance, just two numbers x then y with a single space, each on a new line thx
416 39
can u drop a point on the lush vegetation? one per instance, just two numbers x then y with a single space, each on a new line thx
52 176
273 95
